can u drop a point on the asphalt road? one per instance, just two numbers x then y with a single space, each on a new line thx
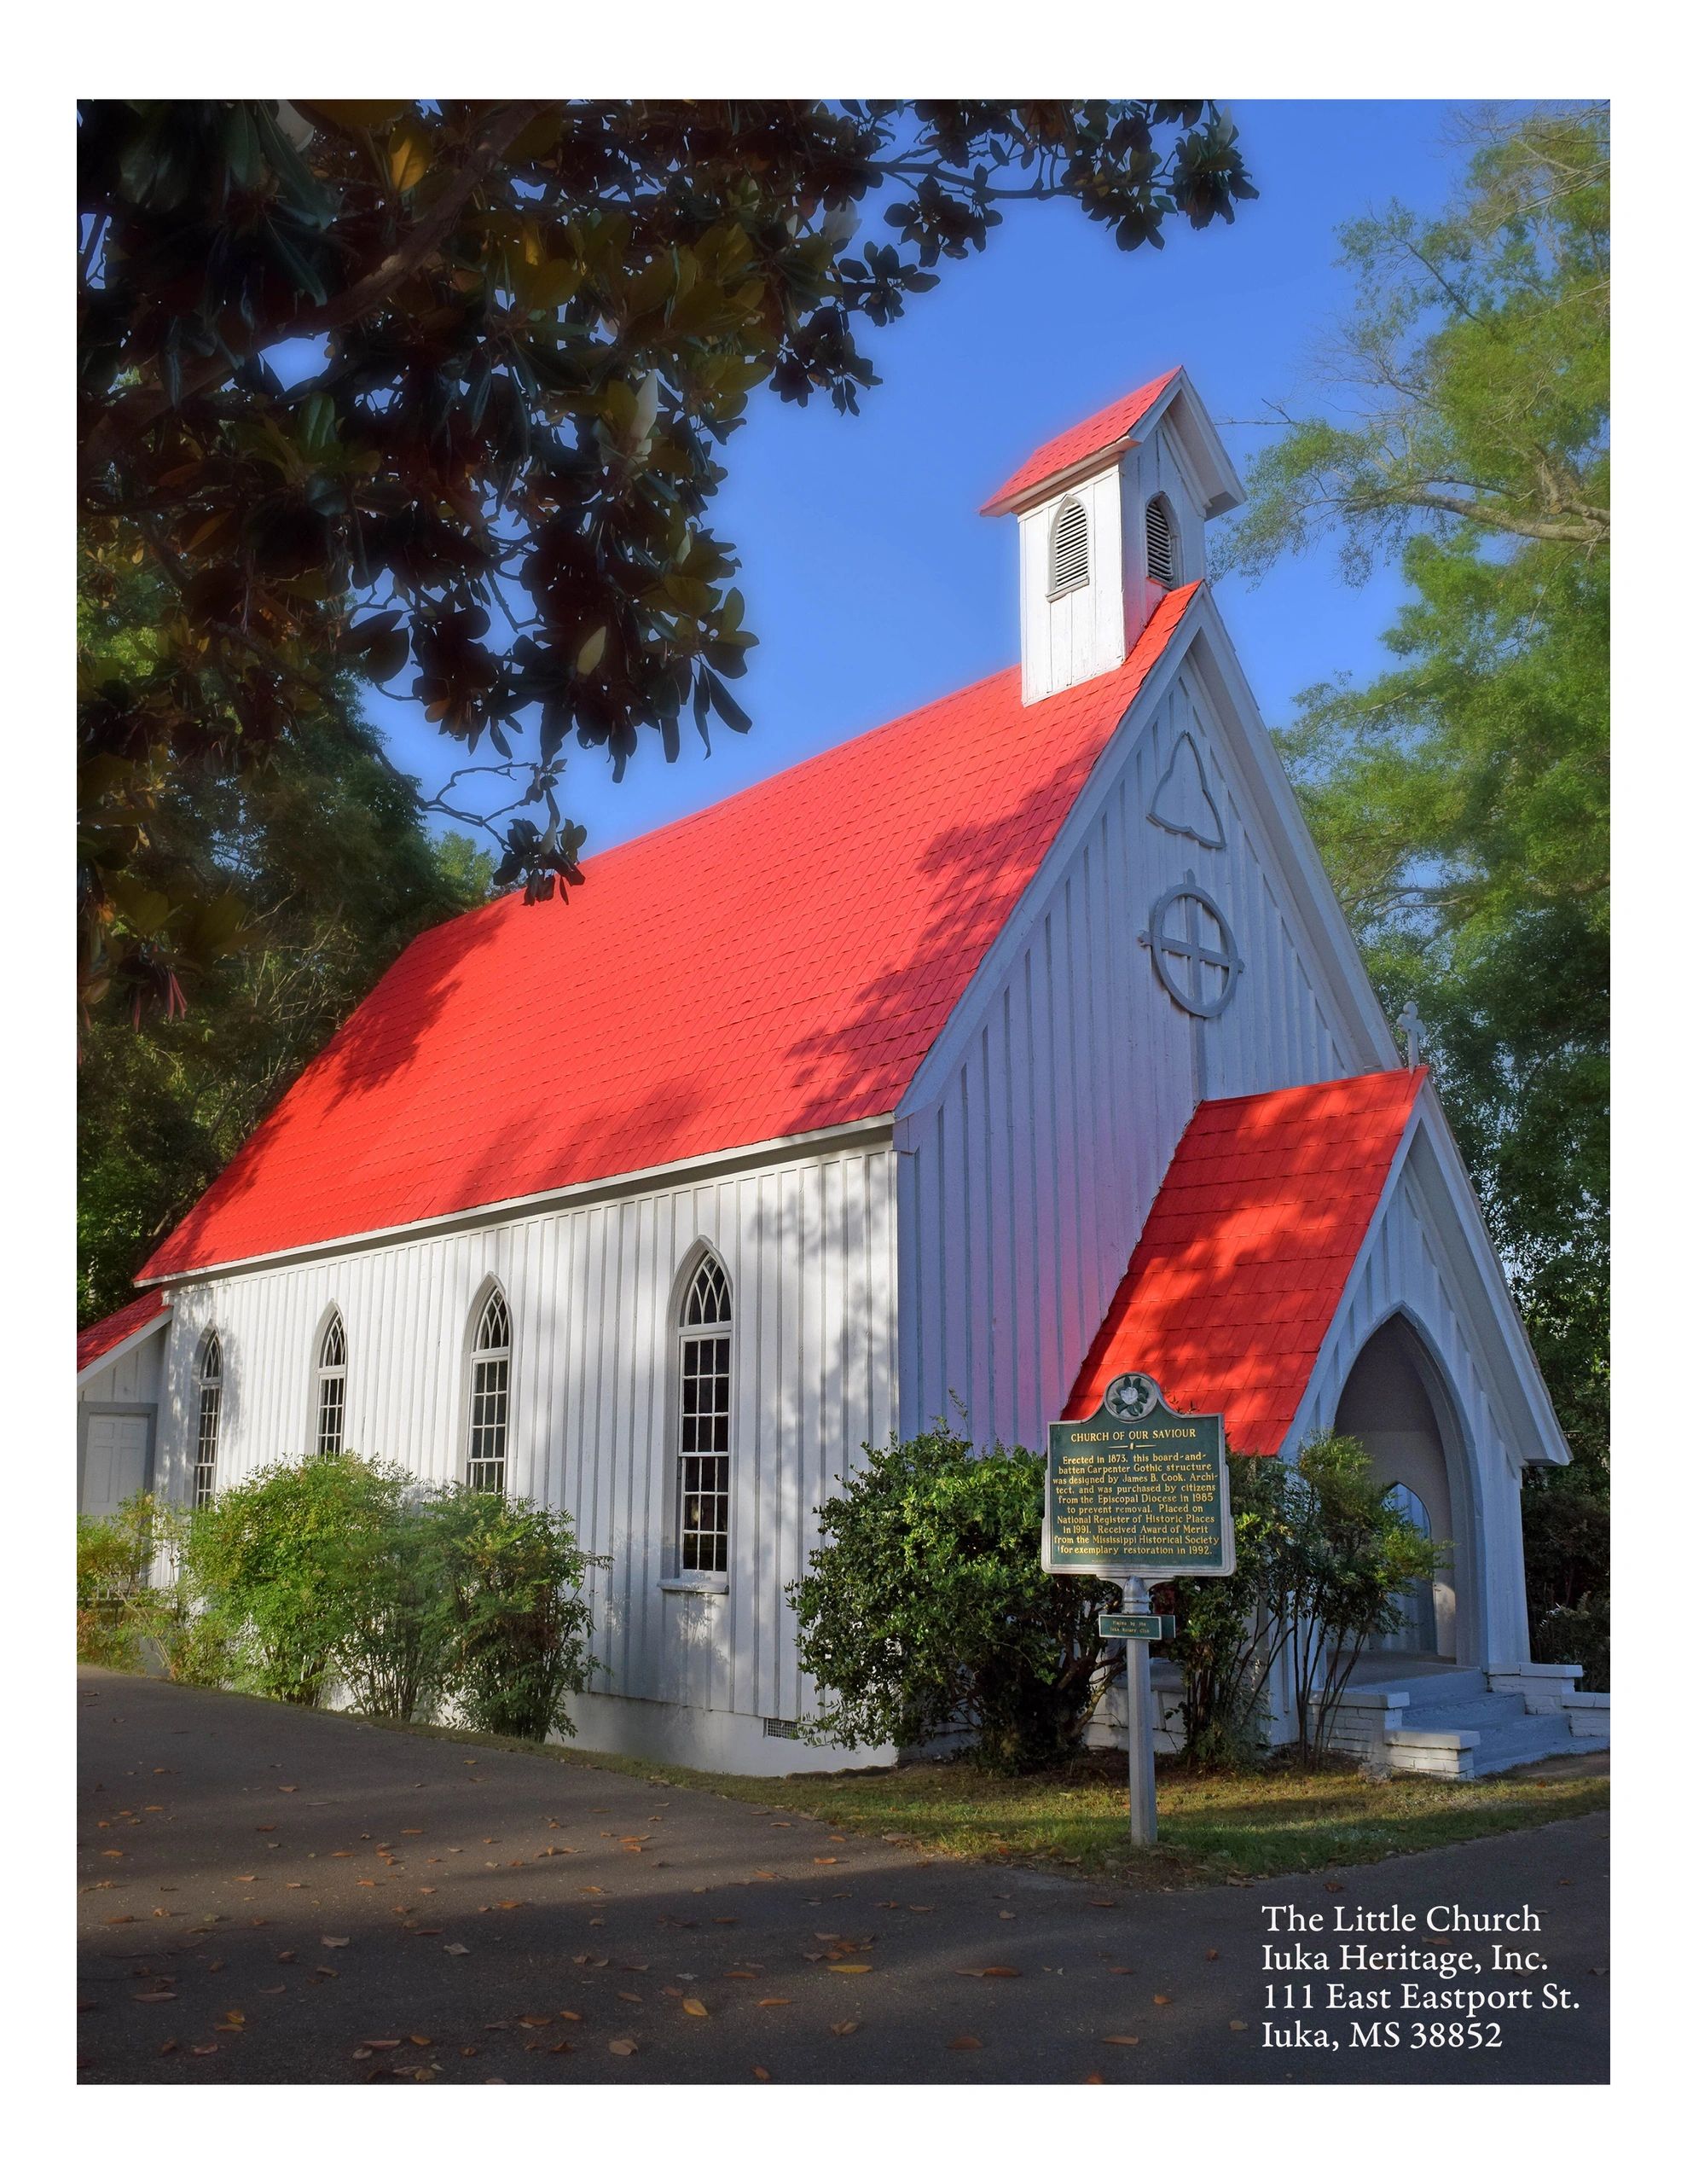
272 1895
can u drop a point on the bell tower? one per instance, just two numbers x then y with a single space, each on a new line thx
1112 515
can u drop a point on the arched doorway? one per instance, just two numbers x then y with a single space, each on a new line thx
1394 1404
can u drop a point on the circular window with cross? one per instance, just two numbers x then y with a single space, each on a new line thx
1194 950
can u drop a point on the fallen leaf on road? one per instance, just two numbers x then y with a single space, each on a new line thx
758 2072
281 1990
121 1919
455 1949
849 2026
967 2040
1101 1904
1336 1887
246 1876
152 1998
420 2039
774 2002
336 1941
849 1967
1212 1956
533 2023
362 2054
1121 2040
988 1972
819 1861
209 2050
1239 2024
692 2007
1163 1998
623 2047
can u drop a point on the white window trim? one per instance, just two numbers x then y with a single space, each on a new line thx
324 1373
678 1578
1058 588
202 1489
492 1354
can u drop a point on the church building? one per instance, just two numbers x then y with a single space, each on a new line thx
1011 1045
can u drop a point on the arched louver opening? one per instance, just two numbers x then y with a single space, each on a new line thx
1162 536
208 1379
1068 549
331 1389
705 1418
488 1409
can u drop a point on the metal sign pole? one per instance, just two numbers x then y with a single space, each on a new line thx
1145 1819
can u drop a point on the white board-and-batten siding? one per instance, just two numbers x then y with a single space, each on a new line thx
1034 1146
809 1248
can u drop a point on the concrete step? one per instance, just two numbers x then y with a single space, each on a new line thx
1425 1685
1493 1710
1462 1751
1538 1737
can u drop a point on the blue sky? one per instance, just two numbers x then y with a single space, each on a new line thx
869 576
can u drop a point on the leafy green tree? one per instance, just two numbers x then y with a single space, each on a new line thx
441 387
926 1609
319 869
1228 1639
1461 799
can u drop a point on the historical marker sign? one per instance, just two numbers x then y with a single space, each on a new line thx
1137 1490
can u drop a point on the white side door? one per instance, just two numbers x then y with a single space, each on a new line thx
116 1465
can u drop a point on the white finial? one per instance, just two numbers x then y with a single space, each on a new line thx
1411 1024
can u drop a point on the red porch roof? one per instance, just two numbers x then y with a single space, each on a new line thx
92 1342
778 963
1248 1249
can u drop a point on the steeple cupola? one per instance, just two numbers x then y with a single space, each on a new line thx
1112 515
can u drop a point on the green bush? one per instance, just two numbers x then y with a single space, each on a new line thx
398 1659
927 1609
291 1560
112 1555
511 1572
1228 1641
1322 1561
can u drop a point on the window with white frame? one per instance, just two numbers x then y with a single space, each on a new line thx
705 1418
331 1389
488 1397
1069 548
208 1380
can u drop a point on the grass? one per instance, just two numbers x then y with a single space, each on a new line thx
1213 1828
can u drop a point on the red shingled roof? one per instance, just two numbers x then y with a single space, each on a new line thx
93 1343
1093 437
781 962
1247 1250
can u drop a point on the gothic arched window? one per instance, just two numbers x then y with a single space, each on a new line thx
208 1383
1069 548
706 1417
489 1401
331 1388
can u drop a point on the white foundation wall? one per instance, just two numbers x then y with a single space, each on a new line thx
1029 1162
809 1245
1409 1268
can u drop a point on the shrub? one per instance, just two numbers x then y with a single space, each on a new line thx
927 1609
398 1661
1228 1640
291 1558
112 1555
1323 1558
512 1571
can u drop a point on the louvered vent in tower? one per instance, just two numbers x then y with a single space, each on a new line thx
1068 549
1162 542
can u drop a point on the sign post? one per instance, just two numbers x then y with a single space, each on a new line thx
1137 1494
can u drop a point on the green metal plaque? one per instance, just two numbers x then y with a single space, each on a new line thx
1137 1626
1137 1490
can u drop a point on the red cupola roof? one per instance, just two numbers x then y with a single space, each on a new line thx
1079 445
